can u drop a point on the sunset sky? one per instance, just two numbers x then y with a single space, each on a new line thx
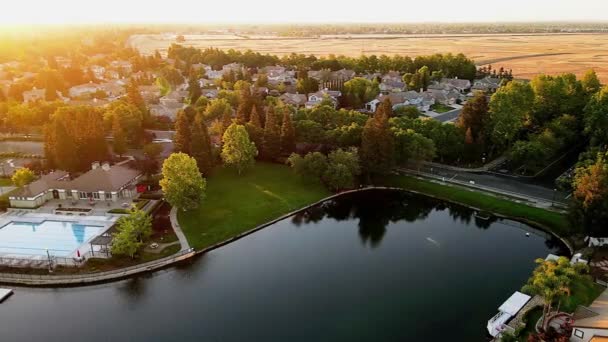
276 11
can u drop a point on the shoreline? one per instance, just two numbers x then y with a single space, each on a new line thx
50 281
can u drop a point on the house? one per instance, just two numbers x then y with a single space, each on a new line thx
98 71
316 98
461 85
343 75
591 323
205 83
296 100
168 109
234 67
487 84
113 88
320 75
88 102
125 66
83 90
150 93
214 74
422 101
388 86
210 93
176 96
101 183
444 96
392 76
34 95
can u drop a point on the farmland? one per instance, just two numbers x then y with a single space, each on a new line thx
526 54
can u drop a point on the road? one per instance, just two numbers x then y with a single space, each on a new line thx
448 116
524 187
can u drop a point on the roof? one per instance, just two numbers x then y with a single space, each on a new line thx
514 303
295 99
113 179
45 182
594 316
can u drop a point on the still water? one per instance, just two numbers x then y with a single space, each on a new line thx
373 266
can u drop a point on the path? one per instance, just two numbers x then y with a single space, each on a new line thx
488 166
178 230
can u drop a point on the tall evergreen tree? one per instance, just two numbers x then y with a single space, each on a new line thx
134 97
254 128
119 142
473 116
65 153
201 146
183 136
288 134
194 90
377 143
271 146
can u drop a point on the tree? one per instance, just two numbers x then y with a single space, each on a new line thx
238 151
306 85
590 207
358 91
509 107
201 146
412 146
254 128
61 148
183 133
23 176
119 142
271 145
132 231
595 118
313 165
377 144
288 134
152 150
552 279
194 90
473 115
590 82
217 109
182 183
342 169
407 111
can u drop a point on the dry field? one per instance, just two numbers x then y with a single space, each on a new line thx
527 55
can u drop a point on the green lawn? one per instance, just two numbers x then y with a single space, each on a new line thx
441 108
235 204
584 292
551 220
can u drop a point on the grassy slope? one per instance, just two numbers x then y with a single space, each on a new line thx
552 220
584 292
235 204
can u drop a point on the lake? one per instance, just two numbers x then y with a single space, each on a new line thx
372 266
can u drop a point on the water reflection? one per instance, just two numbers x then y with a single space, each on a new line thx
374 210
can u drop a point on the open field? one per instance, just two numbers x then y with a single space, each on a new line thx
526 54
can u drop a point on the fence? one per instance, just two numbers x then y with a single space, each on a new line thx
47 279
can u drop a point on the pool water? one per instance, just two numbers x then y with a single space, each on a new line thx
61 238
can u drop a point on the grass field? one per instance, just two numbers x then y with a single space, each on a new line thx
551 220
526 54
235 204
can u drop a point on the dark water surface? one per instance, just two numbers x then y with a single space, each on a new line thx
375 266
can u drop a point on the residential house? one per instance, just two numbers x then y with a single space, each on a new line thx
98 71
463 86
150 93
445 97
388 86
201 66
113 88
422 101
176 96
88 102
392 76
296 100
168 109
316 98
234 67
124 66
343 75
101 183
34 95
210 93
487 84
591 323
83 90
214 74
320 75
205 83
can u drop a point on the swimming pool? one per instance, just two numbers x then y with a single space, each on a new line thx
61 238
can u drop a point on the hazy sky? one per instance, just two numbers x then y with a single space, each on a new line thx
273 11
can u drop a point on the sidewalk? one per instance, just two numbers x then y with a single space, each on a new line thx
178 230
